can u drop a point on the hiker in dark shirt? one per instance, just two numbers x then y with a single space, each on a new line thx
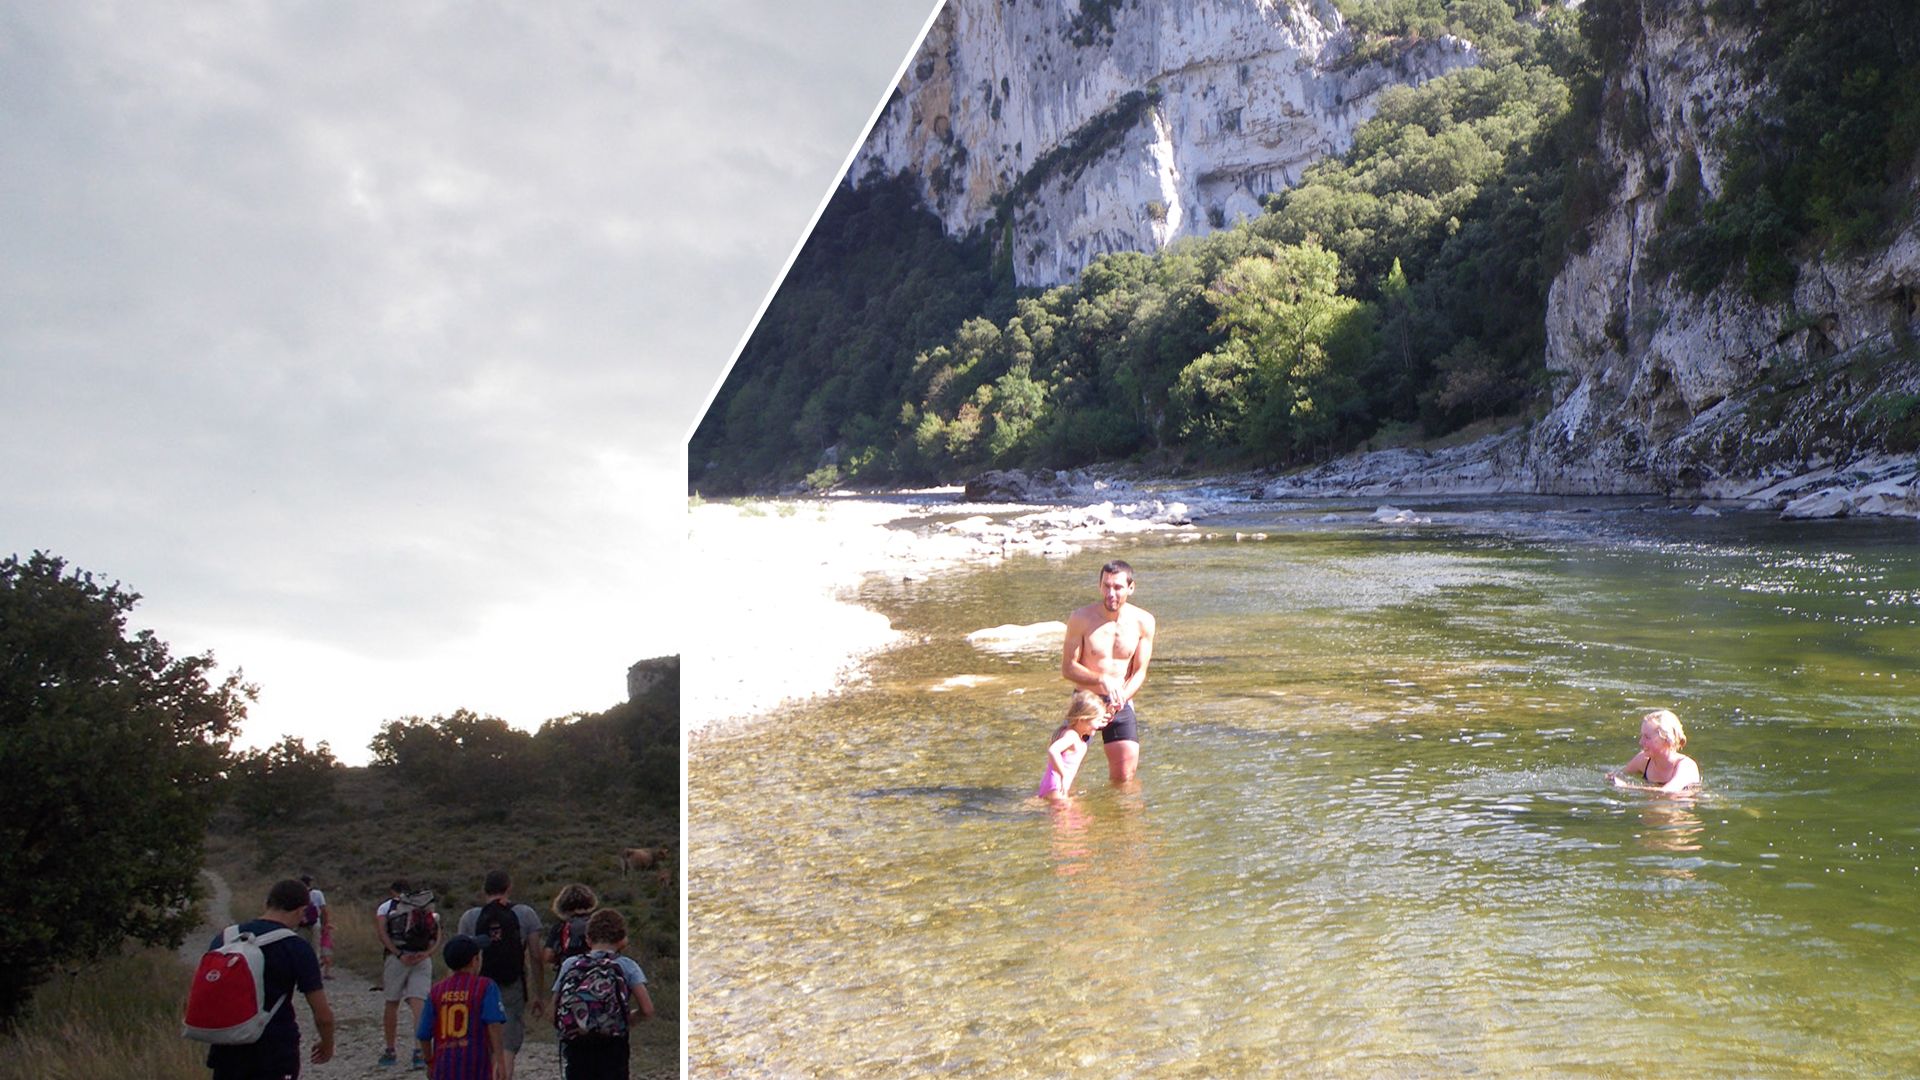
290 965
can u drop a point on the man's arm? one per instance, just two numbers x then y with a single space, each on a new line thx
1142 656
537 963
380 927
1071 669
322 1026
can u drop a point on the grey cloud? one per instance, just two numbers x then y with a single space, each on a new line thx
322 320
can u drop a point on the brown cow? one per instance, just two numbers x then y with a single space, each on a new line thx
640 858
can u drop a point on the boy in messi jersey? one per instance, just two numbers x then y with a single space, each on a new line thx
461 1031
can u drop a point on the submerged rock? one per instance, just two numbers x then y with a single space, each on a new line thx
1013 637
1388 515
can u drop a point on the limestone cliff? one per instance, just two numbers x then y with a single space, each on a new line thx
1718 394
1103 125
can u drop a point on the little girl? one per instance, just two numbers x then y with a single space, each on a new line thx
1660 762
1069 745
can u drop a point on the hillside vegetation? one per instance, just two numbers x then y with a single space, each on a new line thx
1397 293
450 798
119 781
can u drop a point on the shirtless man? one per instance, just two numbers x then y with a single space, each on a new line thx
1107 649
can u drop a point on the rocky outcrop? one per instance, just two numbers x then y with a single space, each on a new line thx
660 673
1717 395
1020 486
1092 126
1102 126
1490 466
1865 485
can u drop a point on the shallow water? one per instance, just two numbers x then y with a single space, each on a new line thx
1371 835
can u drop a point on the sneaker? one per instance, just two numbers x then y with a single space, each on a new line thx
388 1057
418 1061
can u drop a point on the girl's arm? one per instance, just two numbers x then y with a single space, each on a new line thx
1637 765
1057 752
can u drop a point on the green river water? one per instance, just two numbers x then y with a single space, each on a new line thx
1371 835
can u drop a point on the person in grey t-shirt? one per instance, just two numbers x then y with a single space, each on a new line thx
513 933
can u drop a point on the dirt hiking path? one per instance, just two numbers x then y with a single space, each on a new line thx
357 1011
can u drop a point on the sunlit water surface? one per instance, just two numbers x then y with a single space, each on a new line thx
1371 835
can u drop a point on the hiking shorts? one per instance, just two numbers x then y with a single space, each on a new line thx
513 1000
402 980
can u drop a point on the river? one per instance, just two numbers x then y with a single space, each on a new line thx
1371 835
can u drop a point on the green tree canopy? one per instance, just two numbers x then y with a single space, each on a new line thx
109 750
481 760
284 781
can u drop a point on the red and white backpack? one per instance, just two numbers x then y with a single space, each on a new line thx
227 1003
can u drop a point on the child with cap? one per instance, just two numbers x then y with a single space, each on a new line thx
461 1029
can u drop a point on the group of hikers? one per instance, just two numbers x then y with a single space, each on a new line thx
1109 644
469 1025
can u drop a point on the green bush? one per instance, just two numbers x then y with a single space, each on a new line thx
110 749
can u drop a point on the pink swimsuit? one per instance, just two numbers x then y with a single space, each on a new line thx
1048 783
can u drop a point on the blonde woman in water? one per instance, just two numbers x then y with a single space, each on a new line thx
1660 762
1085 713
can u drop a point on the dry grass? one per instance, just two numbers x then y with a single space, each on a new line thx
117 1019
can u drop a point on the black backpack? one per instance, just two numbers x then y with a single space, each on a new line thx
504 958
570 938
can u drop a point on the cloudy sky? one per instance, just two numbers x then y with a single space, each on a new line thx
362 339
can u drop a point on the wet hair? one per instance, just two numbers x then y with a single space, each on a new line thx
1668 725
498 881
287 894
1118 566
575 899
606 927
1084 705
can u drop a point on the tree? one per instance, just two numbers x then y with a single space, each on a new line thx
282 781
461 757
1279 382
109 750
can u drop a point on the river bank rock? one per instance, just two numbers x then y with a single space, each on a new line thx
1876 485
1487 466
1015 486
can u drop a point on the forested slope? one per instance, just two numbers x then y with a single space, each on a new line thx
1399 292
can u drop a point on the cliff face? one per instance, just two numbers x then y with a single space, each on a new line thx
1111 126
1090 126
1717 394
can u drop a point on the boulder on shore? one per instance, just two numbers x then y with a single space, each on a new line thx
1013 486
